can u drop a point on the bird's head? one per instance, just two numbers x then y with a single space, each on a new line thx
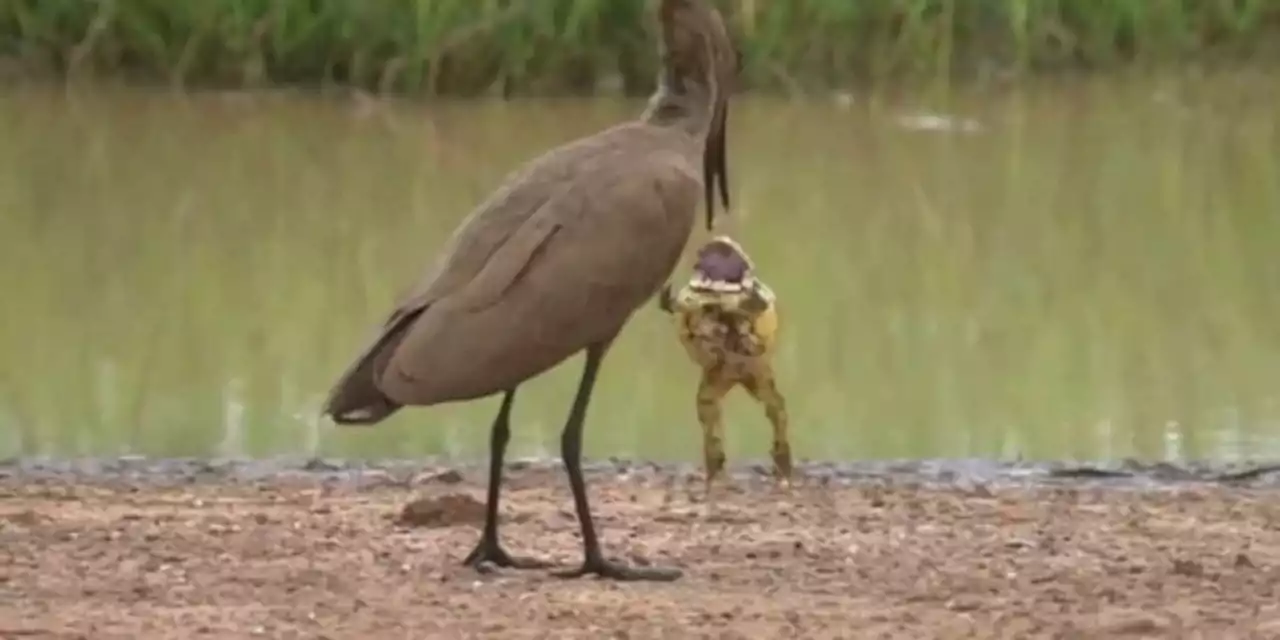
698 54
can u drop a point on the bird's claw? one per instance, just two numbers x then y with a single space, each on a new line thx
609 570
491 553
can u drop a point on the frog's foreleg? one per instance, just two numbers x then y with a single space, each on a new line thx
666 300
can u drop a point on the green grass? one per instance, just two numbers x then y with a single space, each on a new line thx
465 47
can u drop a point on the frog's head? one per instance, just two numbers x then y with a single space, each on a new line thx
722 266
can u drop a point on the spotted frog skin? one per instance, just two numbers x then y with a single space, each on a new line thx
727 321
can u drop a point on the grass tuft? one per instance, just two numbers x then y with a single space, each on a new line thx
466 47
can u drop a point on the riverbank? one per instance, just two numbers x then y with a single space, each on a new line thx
368 474
181 549
458 47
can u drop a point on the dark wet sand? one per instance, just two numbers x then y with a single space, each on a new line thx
185 549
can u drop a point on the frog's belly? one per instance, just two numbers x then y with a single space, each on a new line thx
732 351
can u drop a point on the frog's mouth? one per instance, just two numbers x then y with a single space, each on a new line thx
704 284
722 267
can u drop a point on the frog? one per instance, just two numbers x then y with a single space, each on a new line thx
727 320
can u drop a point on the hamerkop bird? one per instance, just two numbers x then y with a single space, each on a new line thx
555 262
727 320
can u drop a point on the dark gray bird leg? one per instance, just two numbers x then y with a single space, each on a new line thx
488 550
571 450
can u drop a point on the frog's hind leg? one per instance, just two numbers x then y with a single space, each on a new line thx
764 388
712 388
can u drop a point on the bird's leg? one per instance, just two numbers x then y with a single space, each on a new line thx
594 561
488 550
764 389
711 391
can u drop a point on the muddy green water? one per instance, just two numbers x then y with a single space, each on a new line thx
1084 269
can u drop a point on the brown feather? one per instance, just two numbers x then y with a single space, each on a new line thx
571 276
356 399
546 266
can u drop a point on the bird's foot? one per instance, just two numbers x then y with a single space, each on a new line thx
488 553
609 570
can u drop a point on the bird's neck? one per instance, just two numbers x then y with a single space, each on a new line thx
687 106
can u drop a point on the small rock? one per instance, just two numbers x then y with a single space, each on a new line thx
1244 562
964 603
1189 568
321 465
981 491
450 476
26 517
1130 623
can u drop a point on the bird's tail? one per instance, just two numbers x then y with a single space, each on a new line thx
356 399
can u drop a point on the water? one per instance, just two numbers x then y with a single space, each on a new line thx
1074 270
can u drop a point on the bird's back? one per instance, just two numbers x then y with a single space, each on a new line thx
556 259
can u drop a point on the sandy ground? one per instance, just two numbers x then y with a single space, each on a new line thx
303 558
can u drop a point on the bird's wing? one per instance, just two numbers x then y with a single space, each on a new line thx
486 230
568 276
355 397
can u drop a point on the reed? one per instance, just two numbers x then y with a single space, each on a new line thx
466 47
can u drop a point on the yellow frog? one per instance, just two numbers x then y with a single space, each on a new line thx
728 323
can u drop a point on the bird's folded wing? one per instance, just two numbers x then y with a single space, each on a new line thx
507 267
569 276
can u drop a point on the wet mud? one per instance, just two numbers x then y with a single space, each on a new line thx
133 548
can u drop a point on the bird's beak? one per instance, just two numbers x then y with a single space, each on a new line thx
715 168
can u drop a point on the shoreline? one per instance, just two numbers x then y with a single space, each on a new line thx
376 473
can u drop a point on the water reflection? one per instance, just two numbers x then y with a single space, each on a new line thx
1084 271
